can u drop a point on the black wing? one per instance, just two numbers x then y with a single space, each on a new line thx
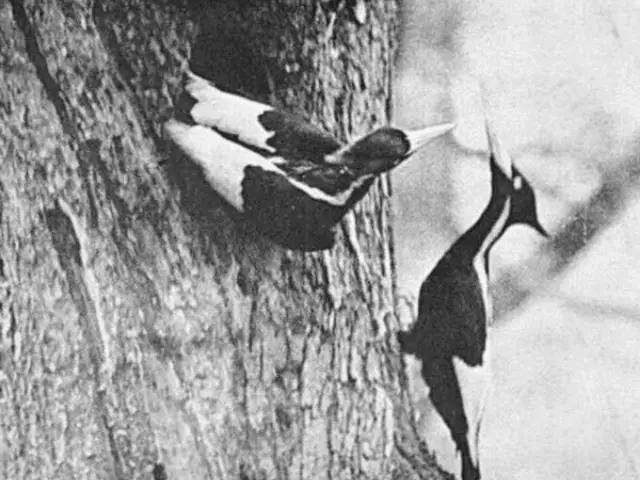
288 214
296 139
451 314
446 396
331 179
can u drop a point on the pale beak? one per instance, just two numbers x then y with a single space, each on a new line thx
502 158
419 138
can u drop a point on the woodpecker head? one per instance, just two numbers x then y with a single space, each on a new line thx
508 179
385 148
523 204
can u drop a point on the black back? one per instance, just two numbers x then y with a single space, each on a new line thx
296 139
288 215
451 308
452 315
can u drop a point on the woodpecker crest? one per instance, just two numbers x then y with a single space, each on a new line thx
294 181
454 308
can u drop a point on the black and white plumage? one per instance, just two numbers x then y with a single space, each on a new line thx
293 180
454 309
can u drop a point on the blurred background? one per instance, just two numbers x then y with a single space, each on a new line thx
561 81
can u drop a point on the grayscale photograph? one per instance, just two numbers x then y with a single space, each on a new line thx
319 239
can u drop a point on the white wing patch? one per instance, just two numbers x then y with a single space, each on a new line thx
475 386
224 163
475 382
228 113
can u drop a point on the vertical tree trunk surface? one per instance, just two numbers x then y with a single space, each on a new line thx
144 331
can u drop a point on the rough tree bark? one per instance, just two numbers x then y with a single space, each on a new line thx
145 333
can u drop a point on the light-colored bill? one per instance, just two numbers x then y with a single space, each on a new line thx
420 138
502 157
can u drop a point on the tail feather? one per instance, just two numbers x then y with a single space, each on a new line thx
475 386
457 394
470 470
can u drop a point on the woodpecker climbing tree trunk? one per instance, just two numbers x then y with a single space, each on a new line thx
145 333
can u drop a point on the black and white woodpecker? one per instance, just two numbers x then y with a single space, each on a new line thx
454 309
294 181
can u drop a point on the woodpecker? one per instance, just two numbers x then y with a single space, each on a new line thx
294 181
454 309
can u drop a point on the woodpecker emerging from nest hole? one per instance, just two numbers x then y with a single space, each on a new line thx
454 309
294 181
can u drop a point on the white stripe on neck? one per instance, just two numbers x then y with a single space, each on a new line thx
496 229
480 265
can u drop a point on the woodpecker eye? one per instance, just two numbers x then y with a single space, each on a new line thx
517 182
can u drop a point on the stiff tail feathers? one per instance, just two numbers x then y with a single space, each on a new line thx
475 386
470 470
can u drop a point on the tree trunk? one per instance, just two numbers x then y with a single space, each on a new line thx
146 332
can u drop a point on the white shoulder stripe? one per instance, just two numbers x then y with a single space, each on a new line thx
224 162
228 113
